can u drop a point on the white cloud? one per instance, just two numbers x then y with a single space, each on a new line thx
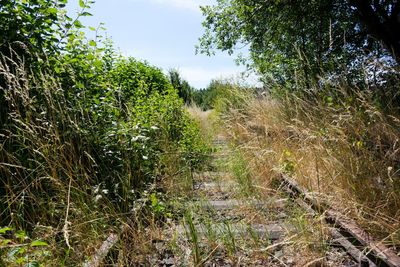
193 5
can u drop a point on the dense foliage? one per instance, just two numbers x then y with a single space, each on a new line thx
84 131
208 98
291 41
185 91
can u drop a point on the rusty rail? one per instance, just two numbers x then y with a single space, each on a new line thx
359 244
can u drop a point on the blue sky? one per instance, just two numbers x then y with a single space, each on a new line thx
163 32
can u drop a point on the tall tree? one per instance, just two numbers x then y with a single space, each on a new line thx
289 38
185 91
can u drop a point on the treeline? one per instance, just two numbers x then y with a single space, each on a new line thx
84 131
204 98
192 96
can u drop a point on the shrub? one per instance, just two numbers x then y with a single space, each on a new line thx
83 134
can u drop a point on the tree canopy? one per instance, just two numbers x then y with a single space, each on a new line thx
307 38
185 91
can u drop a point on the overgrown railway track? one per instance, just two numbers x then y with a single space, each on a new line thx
359 244
344 233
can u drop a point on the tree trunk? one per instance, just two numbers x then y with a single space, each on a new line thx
380 24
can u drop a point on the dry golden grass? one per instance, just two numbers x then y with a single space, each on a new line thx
205 119
347 155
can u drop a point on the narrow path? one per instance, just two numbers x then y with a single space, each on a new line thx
229 223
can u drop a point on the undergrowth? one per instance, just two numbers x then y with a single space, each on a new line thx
343 147
76 161
75 168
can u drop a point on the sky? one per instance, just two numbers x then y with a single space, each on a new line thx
164 33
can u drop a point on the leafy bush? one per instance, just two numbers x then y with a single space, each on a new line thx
84 131
21 249
127 128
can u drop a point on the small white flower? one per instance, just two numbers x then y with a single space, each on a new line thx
104 191
154 127
97 198
139 137
96 189
145 157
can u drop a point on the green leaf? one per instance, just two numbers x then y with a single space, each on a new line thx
5 242
16 251
86 14
92 43
98 63
81 3
21 234
92 28
52 10
5 230
38 243
90 57
78 24
20 260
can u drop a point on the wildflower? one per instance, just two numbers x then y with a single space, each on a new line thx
139 137
97 198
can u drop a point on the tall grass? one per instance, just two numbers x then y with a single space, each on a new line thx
51 169
75 168
46 163
340 144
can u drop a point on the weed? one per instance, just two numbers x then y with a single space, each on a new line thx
257 242
193 237
240 170
210 231
17 248
346 152
84 159
229 238
287 163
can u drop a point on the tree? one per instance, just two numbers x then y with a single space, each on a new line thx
288 39
381 18
185 91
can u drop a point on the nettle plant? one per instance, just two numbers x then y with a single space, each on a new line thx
18 249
